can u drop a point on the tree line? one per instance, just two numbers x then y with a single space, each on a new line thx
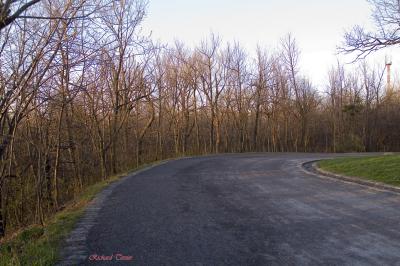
85 94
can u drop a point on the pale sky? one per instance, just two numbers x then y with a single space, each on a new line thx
317 25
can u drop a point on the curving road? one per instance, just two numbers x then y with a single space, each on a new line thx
249 209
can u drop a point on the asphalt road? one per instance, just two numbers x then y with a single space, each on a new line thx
250 209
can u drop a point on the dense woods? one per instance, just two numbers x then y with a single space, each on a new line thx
85 94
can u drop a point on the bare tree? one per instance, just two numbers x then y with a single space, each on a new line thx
386 15
10 10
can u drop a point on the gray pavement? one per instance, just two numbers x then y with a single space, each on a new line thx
247 209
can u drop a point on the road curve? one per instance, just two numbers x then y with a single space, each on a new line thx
248 209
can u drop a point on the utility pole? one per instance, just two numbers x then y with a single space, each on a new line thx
388 62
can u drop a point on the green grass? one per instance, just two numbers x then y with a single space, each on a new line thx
384 169
39 245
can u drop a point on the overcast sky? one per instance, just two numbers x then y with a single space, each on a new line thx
317 25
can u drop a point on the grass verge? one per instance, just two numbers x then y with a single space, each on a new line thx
384 169
39 245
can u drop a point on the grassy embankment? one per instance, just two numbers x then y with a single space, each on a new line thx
384 169
39 245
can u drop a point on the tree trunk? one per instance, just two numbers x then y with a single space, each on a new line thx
57 159
2 224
